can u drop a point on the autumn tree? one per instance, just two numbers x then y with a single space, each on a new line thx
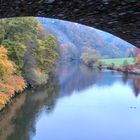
7 67
9 82
90 56
138 59
16 34
137 55
23 40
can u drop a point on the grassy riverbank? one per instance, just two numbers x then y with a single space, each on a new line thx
127 65
118 61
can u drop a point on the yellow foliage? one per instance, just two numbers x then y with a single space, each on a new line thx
3 98
7 67
9 82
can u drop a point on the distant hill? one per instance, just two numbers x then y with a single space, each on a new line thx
73 38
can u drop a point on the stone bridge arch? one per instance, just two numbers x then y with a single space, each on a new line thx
119 17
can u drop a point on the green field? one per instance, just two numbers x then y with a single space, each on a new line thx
118 61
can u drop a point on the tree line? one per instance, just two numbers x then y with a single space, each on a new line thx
26 50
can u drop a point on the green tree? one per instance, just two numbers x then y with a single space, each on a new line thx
125 63
16 34
46 52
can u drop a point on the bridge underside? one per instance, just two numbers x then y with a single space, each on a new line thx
119 17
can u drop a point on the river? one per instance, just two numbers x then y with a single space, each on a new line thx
77 103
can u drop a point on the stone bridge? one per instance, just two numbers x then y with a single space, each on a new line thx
119 17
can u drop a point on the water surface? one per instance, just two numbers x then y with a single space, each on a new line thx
78 103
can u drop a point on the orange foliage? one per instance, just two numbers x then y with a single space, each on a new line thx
10 87
3 98
6 92
6 89
10 83
17 82
7 67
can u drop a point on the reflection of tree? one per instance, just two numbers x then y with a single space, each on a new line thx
22 122
125 77
136 86
75 77
135 81
8 114
18 120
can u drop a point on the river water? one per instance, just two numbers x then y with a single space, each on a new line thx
78 103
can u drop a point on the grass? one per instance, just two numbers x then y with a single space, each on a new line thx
118 61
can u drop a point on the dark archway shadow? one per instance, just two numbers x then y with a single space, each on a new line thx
121 18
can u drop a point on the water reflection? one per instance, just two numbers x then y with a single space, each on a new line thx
135 83
76 100
21 114
77 77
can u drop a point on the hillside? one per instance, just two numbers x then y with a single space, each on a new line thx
74 38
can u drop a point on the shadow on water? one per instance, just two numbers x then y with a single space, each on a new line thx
18 120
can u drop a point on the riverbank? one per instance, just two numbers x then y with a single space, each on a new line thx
27 53
130 69
129 65
7 97
2 107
